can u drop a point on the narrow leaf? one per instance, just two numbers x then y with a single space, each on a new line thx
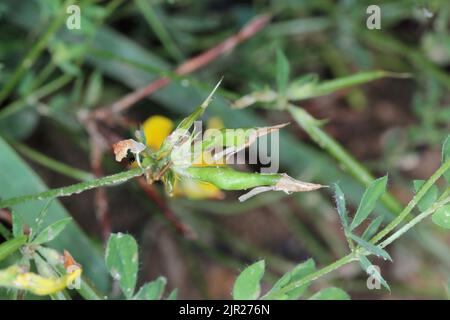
327 87
247 285
331 293
340 204
368 201
442 217
372 248
17 224
372 228
282 72
446 156
122 261
373 272
430 196
51 232
9 247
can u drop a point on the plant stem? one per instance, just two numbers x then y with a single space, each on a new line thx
75 188
315 275
34 53
87 291
52 164
427 185
413 222
349 163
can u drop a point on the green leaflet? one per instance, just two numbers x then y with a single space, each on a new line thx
122 261
247 285
331 293
340 204
373 192
446 156
327 87
430 196
372 271
9 247
52 231
282 73
17 224
152 290
372 228
372 248
442 217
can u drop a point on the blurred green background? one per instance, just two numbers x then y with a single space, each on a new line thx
51 76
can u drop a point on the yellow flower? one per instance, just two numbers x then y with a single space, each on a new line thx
156 129
13 277
196 190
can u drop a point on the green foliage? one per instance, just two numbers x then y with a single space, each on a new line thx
122 261
442 217
247 285
341 207
52 89
371 248
446 156
331 293
372 228
368 201
366 265
51 232
9 247
282 72
299 272
152 290
429 198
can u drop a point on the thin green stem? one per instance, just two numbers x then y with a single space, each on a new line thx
87 291
75 188
413 222
313 276
348 162
427 185
53 164
34 53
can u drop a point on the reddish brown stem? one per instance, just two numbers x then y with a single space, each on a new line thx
170 216
248 31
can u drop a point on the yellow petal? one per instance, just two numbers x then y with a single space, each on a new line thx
156 129
197 190
215 123
37 284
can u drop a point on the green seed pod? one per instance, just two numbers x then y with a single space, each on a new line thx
227 178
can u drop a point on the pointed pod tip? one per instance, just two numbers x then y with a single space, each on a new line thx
209 98
289 184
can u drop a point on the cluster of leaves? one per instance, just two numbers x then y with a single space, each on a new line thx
55 272
247 285
292 284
